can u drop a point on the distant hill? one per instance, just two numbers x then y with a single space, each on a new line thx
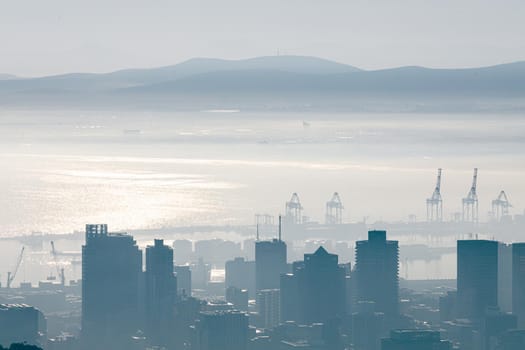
496 80
275 82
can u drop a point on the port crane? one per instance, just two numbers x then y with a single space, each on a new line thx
500 206
12 275
470 203
334 210
60 272
435 203
294 209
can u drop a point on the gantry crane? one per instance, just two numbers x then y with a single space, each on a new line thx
500 206
470 203
12 275
334 210
435 203
60 272
294 209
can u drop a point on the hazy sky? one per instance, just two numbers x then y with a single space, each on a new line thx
55 36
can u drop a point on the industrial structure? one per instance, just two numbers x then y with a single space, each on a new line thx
264 219
12 274
334 210
294 210
60 272
470 203
435 202
500 206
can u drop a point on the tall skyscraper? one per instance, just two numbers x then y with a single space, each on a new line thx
221 330
160 292
111 266
377 273
505 277
477 277
518 283
270 263
316 290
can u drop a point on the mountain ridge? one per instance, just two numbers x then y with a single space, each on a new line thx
267 81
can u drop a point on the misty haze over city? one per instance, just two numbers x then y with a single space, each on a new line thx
215 175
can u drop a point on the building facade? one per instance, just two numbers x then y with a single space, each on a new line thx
111 268
477 277
270 263
377 273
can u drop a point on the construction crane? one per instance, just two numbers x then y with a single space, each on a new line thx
294 209
60 272
435 202
500 206
470 203
12 275
334 210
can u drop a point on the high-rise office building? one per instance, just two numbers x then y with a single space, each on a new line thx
493 325
368 326
377 273
20 323
240 274
316 291
221 330
183 251
268 308
217 251
270 263
238 297
415 340
291 306
160 292
111 267
183 274
512 340
518 282
200 274
324 287
505 277
477 277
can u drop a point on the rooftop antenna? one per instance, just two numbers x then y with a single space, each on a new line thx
257 232
280 224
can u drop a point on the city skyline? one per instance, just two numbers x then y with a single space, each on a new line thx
262 175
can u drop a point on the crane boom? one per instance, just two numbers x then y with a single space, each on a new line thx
60 272
470 203
473 189
435 202
438 182
12 275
